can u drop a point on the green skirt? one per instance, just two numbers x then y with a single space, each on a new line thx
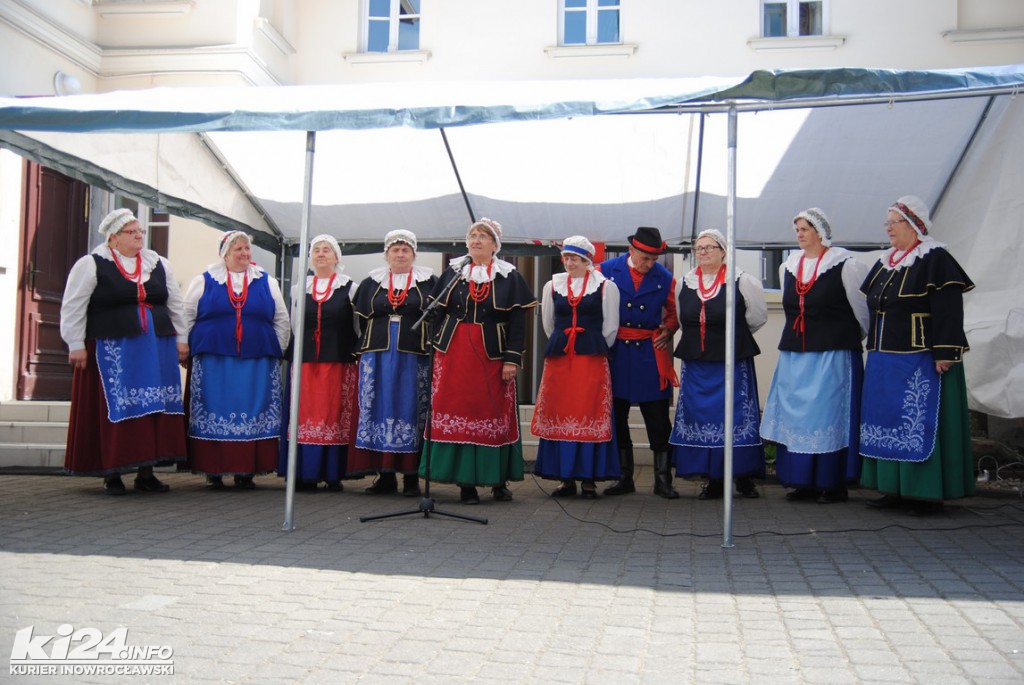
465 464
948 472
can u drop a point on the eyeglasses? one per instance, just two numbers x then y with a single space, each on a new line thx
134 231
890 224
704 249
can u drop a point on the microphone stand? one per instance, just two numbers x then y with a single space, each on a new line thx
426 505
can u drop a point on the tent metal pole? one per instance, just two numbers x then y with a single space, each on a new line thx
458 176
730 326
298 314
696 185
963 155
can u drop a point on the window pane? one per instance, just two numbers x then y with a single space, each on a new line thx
810 18
774 19
607 3
410 7
575 3
409 34
575 28
608 26
377 37
380 8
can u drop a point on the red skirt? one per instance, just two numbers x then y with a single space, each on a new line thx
471 402
327 408
574 401
97 447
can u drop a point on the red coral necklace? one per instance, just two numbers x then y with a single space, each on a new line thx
802 288
574 300
894 263
397 298
478 292
140 290
707 294
238 302
320 298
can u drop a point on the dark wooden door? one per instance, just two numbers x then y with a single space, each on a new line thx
55 234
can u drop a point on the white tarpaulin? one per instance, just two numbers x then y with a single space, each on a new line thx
537 158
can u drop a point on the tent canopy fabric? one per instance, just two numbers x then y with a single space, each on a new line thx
543 164
536 156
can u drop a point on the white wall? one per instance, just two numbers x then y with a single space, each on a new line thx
11 172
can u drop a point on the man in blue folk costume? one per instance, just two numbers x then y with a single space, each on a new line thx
641 359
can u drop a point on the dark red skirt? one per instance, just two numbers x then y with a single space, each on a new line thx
97 447
224 457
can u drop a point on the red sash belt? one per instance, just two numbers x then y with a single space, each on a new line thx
663 357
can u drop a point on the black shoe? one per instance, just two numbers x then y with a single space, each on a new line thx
711 490
386 484
745 488
801 494
833 496
411 486
623 487
588 490
925 508
663 488
335 486
150 483
566 489
501 494
114 486
886 502
468 495
215 482
244 483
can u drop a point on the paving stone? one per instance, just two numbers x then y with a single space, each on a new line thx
532 597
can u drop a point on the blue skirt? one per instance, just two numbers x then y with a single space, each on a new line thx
813 414
698 435
394 392
563 460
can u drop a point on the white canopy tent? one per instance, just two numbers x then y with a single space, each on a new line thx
428 157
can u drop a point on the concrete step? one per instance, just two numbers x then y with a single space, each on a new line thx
33 435
16 432
32 455
20 410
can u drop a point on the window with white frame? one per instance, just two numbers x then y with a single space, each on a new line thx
792 18
590 22
392 25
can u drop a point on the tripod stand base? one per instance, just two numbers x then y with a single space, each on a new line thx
427 508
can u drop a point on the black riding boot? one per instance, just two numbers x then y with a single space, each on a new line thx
625 484
663 476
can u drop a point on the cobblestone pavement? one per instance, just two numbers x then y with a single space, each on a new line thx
633 589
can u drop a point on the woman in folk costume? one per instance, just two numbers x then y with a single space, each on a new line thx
479 338
699 431
327 406
573 415
121 318
813 408
394 368
915 433
238 326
